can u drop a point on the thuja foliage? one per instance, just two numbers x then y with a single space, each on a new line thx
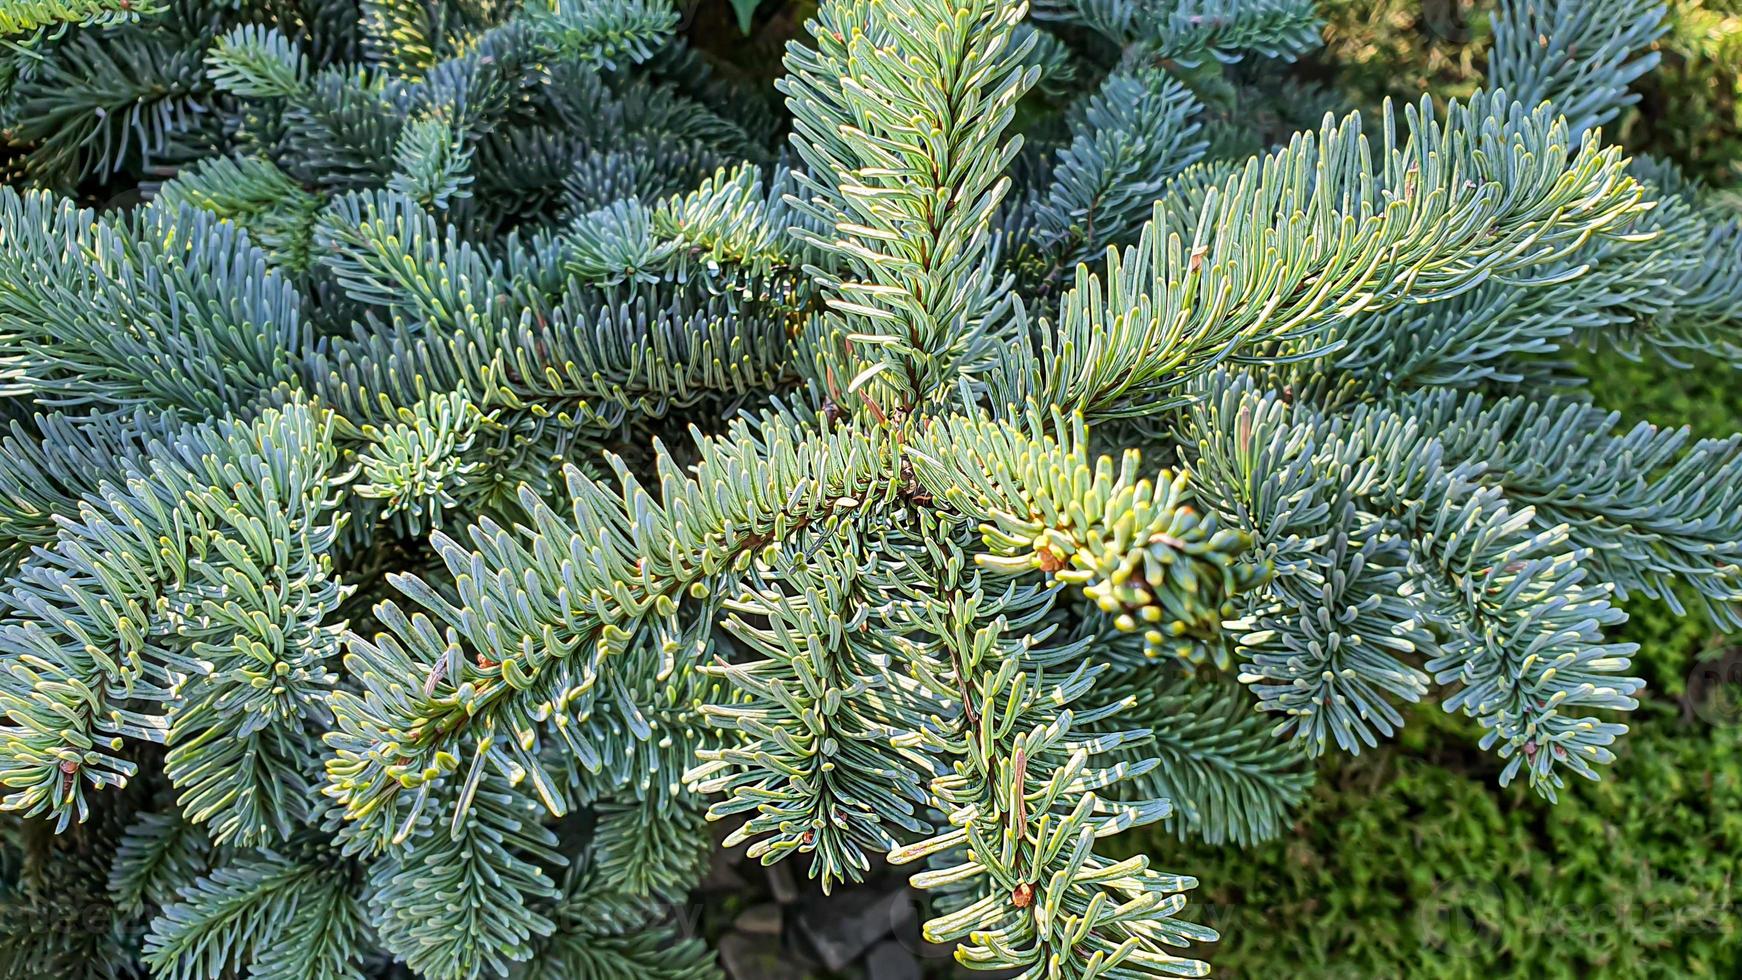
499 444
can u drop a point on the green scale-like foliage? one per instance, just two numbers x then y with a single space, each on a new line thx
502 442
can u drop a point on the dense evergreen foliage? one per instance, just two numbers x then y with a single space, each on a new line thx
459 451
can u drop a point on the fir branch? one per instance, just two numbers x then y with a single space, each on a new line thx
604 32
104 103
466 265
586 592
1230 779
419 463
1018 877
651 851
1134 545
603 934
256 62
62 459
819 782
432 162
199 584
899 114
651 953
1127 139
1195 31
1579 55
28 16
386 250
456 903
1314 233
1650 509
404 36
162 308
1519 626
290 915
157 853
255 195
1325 642
1023 797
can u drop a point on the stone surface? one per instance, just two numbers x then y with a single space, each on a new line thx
841 927
759 920
781 884
722 876
890 960
748 957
